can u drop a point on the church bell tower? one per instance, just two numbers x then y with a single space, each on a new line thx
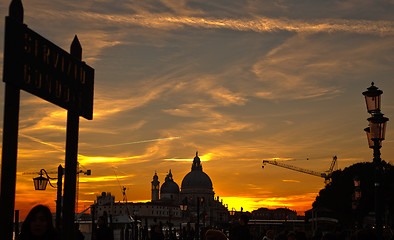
155 188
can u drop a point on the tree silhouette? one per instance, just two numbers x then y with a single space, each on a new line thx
337 196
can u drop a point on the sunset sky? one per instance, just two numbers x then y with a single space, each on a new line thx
238 81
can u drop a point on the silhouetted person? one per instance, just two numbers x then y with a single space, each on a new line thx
38 225
212 234
103 232
240 230
269 235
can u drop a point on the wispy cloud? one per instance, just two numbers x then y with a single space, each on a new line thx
178 160
256 24
208 121
104 159
104 30
289 180
103 178
303 67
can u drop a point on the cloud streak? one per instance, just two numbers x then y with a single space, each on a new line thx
257 24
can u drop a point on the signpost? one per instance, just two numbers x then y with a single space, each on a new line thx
36 65
41 68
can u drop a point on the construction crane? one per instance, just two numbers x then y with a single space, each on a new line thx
326 175
125 203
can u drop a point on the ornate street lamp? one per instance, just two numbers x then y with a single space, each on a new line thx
40 183
371 144
372 98
377 126
376 134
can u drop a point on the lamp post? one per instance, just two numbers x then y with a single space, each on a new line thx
357 188
41 182
375 135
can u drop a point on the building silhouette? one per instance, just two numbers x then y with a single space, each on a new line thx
155 188
164 209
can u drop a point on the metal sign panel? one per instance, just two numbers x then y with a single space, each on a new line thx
39 67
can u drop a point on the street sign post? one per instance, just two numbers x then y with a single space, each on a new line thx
36 65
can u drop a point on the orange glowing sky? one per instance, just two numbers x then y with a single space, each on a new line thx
238 81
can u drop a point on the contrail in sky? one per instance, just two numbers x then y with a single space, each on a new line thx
142 141
60 149
112 145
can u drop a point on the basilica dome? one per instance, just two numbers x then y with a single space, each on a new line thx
169 186
196 179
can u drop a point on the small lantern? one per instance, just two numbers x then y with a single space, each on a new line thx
357 188
40 183
356 181
232 212
377 126
357 195
371 143
183 205
372 98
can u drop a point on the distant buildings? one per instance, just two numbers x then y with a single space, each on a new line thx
274 214
193 203
196 197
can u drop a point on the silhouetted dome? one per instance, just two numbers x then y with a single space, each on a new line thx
196 179
169 186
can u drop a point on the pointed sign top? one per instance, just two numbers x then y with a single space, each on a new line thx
16 10
76 49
